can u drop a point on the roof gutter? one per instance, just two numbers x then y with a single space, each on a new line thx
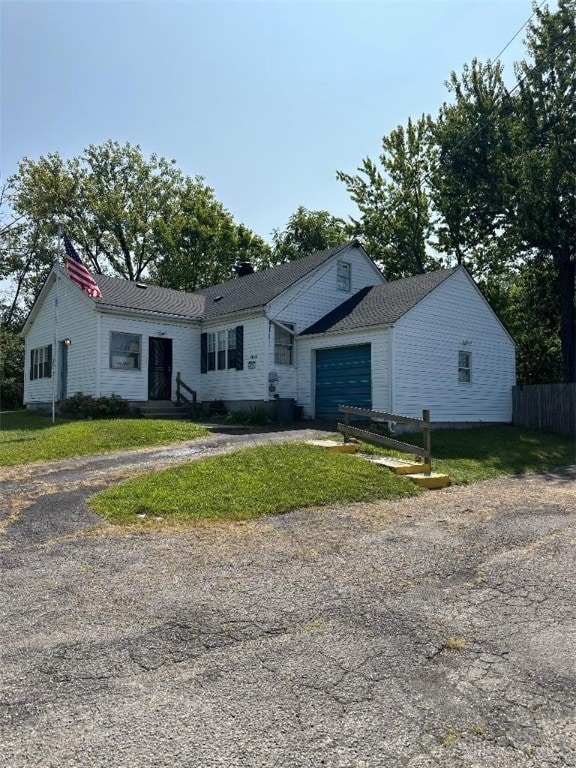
360 329
109 309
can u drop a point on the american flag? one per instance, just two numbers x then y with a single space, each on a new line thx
78 273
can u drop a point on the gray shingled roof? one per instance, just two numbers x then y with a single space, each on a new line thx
258 289
243 293
380 304
124 294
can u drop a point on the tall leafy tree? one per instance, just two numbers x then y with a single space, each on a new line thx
131 216
544 165
531 313
469 180
394 204
108 200
201 243
11 367
307 232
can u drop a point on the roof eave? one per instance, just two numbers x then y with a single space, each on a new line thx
340 331
117 309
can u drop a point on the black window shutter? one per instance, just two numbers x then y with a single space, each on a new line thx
31 363
203 352
48 369
239 347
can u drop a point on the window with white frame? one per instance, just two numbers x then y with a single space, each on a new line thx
221 350
464 367
211 352
41 362
231 347
343 275
284 344
125 351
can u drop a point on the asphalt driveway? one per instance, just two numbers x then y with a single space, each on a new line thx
434 631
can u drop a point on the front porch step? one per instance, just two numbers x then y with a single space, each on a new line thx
431 481
416 472
401 466
420 474
333 445
164 410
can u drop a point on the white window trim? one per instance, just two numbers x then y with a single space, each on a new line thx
283 349
40 358
465 368
132 354
344 276
222 340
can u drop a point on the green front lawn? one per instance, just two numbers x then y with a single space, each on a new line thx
470 455
250 483
277 478
25 437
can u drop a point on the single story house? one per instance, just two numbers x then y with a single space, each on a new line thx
325 330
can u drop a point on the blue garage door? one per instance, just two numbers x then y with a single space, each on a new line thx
343 377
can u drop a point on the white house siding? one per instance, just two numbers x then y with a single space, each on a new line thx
317 294
133 385
426 342
77 321
251 383
308 301
379 339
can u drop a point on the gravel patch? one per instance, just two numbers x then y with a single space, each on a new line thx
433 631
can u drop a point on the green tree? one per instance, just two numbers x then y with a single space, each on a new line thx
393 200
469 179
11 367
544 200
108 200
532 315
134 217
201 243
307 232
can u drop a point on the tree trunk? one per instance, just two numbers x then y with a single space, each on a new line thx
567 275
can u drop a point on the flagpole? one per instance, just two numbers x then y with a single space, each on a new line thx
55 340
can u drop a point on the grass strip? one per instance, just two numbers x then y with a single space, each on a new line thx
26 437
250 483
471 455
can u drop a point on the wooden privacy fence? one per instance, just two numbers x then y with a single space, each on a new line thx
364 434
545 407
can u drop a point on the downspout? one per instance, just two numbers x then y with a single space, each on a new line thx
391 368
268 354
98 372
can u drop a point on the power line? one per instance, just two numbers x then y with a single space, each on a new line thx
509 43
489 117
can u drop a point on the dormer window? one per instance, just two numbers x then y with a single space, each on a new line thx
343 276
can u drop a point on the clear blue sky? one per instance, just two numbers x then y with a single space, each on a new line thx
266 100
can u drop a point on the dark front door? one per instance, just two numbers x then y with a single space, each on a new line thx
160 369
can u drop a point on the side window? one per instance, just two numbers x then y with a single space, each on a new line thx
284 344
41 362
343 275
211 352
125 351
220 350
464 367
232 348
222 339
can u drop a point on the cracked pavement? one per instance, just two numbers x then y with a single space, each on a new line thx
432 631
